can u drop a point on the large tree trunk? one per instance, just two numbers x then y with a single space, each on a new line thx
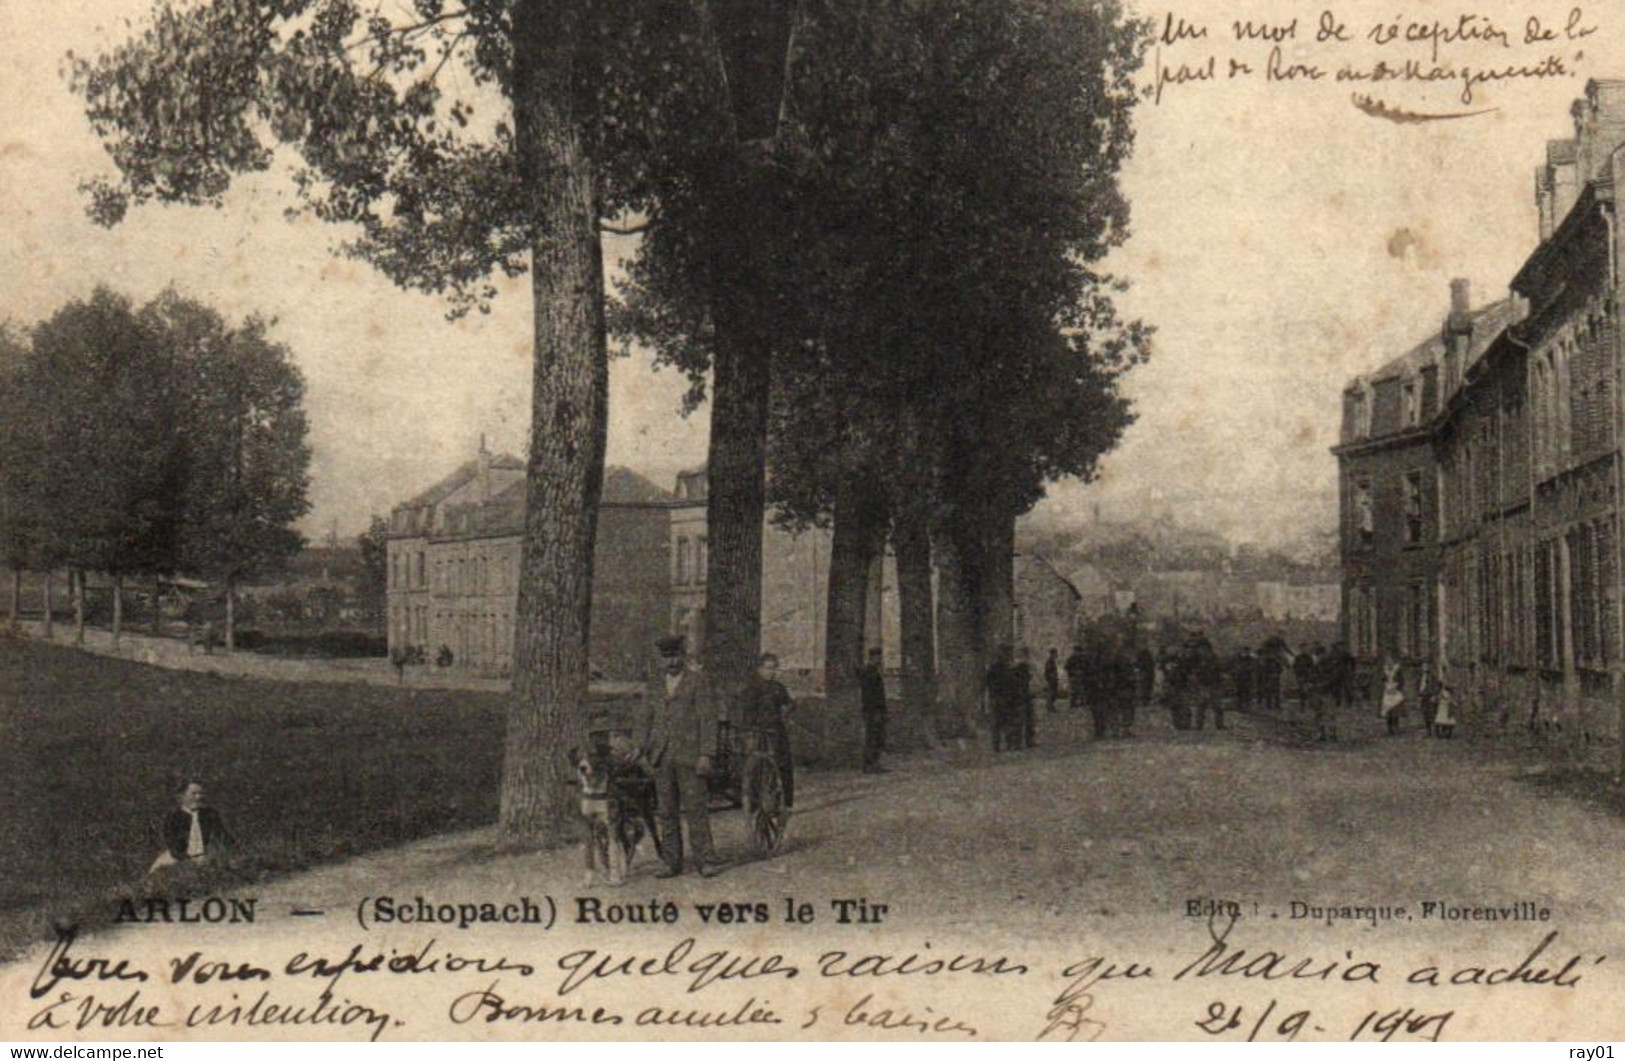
959 626
118 608
859 525
998 585
736 503
911 541
231 614
76 584
50 624
547 711
750 37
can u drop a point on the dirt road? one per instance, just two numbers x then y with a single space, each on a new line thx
1070 850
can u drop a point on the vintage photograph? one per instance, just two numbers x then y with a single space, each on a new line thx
906 520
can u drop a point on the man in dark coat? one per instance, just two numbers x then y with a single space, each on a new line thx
1329 679
1206 681
872 692
1307 677
1340 675
1077 677
676 736
1004 721
1243 675
1145 676
764 707
1119 685
1052 681
1271 660
1177 678
1100 678
1021 695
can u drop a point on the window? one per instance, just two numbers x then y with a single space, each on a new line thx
423 569
1364 511
1362 622
1593 600
700 560
1417 632
1410 401
1548 618
1414 527
682 561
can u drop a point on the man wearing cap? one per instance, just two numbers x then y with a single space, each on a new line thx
677 736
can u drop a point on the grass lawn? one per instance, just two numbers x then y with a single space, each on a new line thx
91 748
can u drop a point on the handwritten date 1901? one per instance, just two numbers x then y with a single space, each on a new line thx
1269 1026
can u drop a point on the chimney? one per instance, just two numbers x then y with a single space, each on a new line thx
1543 201
1599 127
1562 178
482 464
1461 296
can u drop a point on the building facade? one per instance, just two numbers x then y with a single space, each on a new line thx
453 574
453 581
1504 569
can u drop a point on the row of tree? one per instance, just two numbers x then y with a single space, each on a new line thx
146 442
870 231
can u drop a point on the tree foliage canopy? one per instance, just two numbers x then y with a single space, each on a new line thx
395 122
151 440
946 187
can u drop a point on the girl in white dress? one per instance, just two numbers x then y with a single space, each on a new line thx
1393 694
1444 719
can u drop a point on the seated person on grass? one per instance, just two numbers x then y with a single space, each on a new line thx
193 834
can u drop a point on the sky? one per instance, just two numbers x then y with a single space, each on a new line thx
1282 241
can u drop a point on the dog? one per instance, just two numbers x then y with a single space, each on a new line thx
615 825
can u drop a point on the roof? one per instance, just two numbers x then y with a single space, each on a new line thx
1033 560
623 486
1089 581
460 478
1485 324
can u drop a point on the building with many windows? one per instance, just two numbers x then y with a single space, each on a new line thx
1480 472
453 582
453 577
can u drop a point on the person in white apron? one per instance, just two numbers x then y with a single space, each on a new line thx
1393 694
1444 716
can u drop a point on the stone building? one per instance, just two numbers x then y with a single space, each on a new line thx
1504 568
1048 608
453 582
1389 486
453 577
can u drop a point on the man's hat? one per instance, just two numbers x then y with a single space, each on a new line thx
675 645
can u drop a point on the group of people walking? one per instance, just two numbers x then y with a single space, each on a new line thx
1117 674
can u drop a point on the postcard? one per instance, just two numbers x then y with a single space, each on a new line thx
1062 520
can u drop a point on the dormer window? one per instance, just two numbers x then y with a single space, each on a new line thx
1360 411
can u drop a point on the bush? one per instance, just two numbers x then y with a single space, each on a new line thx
328 644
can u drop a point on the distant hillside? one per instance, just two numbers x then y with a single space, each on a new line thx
1124 550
